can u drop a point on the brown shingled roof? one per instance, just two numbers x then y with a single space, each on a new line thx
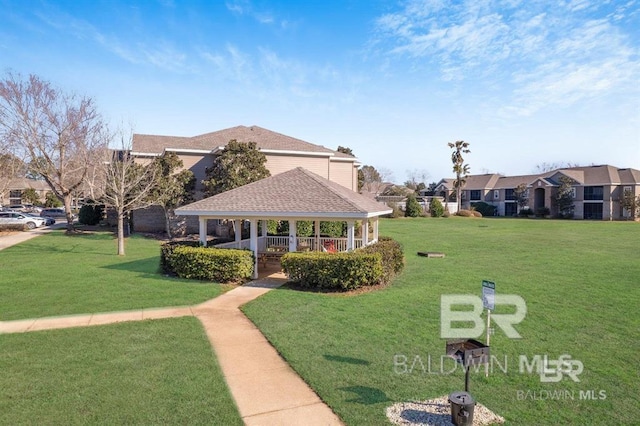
297 193
265 140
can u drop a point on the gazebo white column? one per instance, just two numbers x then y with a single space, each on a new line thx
350 234
253 232
316 227
365 232
293 240
202 230
375 228
237 227
263 226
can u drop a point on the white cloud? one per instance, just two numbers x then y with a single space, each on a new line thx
157 52
540 55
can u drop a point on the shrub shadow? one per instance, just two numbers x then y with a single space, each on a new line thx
366 395
346 359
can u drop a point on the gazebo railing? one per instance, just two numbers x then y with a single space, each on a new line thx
281 243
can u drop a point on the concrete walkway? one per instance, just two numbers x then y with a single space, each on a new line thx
265 388
17 237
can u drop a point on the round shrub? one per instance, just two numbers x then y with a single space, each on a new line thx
392 256
91 214
525 212
436 208
412 208
465 213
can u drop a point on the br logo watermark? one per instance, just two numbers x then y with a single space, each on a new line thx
552 371
504 321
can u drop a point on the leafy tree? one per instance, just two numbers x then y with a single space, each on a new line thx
332 229
371 179
304 228
412 207
564 197
31 196
521 195
55 132
431 189
172 189
459 168
360 180
50 200
345 150
630 203
435 207
239 163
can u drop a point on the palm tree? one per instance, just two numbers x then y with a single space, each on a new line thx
459 168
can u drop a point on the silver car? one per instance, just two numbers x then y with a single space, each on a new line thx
17 218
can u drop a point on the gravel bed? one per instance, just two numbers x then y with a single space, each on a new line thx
436 412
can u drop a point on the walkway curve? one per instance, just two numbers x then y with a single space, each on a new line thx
265 388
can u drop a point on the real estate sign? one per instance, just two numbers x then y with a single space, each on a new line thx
488 295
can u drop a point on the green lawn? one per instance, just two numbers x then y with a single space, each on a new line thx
150 372
56 274
579 280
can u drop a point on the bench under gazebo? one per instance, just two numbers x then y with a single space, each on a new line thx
294 195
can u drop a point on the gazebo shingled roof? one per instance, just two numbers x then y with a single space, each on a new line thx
297 193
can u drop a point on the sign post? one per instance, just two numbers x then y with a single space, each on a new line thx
488 302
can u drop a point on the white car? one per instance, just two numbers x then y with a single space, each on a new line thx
17 218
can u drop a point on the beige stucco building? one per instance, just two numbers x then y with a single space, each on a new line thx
597 191
283 153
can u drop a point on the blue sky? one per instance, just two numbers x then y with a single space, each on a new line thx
524 82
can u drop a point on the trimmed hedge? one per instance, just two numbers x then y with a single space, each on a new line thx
13 227
468 213
370 265
166 254
392 257
188 260
485 208
333 271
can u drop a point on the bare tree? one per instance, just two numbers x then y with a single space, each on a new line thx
57 133
547 167
127 185
416 179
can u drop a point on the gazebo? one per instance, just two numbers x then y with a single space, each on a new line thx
295 195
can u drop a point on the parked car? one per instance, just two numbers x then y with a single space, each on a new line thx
54 212
25 208
48 221
18 218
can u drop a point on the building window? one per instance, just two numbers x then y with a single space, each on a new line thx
15 196
510 209
594 193
475 194
509 194
496 194
593 211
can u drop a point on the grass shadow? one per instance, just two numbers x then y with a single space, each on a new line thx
148 267
366 395
346 359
